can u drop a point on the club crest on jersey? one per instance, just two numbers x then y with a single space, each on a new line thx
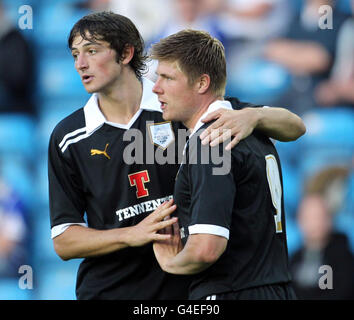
161 134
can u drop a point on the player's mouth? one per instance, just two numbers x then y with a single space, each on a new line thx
163 105
86 78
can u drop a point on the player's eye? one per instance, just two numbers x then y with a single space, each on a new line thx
75 55
92 51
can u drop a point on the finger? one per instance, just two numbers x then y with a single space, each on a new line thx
175 228
163 205
161 237
208 131
160 215
167 230
166 224
226 134
213 135
159 208
212 116
167 203
233 143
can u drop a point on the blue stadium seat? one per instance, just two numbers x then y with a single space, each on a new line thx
56 281
58 78
329 139
54 23
10 290
18 153
42 181
258 81
17 135
43 249
51 114
289 151
292 189
344 6
48 119
16 172
294 235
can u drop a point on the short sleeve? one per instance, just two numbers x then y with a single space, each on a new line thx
213 189
66 197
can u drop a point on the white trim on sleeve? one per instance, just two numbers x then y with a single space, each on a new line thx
210 229
60 228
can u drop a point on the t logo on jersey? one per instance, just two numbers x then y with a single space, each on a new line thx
138 180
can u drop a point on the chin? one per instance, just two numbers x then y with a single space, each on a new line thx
165 116
90 89
93 88
170 116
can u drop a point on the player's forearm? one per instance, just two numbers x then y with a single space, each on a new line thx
280 124
199 253
186 262
82 242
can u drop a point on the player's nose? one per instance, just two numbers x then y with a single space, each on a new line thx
81 62
157 87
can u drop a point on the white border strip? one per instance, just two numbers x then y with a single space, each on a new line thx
78 138
71 134
209 229
59 229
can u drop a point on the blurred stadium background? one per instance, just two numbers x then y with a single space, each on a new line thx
58 91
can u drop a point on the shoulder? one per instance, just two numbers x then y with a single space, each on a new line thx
204 153
73 124
238 105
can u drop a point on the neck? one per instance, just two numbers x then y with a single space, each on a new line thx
123 100
204 105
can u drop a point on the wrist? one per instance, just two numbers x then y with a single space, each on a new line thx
257 117
126 236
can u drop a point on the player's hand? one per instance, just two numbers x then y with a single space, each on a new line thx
165 250
148 229
238 124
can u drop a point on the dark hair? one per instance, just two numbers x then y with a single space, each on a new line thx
196 53
117 30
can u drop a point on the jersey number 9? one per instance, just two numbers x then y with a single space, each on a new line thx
275 189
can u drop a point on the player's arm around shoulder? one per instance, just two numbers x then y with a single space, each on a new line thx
277 123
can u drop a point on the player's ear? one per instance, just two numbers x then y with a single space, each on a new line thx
203 83
127 54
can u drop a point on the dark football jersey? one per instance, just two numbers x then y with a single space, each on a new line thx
239 198
106 176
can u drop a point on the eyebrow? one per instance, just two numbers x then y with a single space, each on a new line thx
87 44
163 74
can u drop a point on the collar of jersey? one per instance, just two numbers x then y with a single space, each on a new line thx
223 104
94 118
